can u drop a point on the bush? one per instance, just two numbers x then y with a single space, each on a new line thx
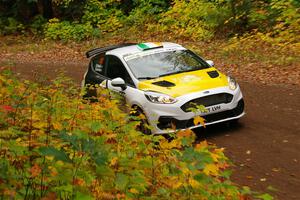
10 26
56 146
66 31
146 12
37 25
103 14
193 19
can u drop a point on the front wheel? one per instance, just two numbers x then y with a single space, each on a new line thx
143 125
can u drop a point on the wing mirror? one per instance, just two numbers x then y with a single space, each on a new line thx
118 82
210 62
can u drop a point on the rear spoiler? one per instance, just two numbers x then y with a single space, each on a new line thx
100 50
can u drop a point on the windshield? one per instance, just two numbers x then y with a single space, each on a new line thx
165 63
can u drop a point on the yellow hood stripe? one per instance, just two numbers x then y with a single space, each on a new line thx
186 83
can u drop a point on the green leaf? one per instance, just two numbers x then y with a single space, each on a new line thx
145 163
100 157
162 191
57 154
226 173
96 126
246 190
272 189
121 181
81 196
202 178
265 197
104 171
64 188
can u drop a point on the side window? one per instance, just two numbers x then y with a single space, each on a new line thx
98 63
115 69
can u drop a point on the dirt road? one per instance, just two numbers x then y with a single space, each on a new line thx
264 146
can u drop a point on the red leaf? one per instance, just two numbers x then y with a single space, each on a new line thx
7 108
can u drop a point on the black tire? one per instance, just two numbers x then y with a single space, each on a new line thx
144 124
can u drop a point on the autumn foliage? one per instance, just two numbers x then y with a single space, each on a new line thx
55 145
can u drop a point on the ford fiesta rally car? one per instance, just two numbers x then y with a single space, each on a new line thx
167 83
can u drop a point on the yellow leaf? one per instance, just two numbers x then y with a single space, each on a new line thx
60 163
165 144
176 185
215 156
113 161
186 171
35 116
49 157
199 120
194 183
173 182
39 125
134 191
211 169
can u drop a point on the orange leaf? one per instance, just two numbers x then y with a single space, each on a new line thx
185 133
199 120
35 170
201 145
78 181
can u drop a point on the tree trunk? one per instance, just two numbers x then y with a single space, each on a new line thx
47 9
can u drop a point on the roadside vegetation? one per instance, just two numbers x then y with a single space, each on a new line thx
54 145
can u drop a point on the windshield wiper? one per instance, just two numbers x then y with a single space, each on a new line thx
170 73
147 77
177 72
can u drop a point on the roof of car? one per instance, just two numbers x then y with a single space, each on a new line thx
149 46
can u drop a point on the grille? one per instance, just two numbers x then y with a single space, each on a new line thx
206 101
166 122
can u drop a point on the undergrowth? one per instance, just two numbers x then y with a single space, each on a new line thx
54 145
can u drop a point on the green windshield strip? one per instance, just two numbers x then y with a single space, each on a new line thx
143 46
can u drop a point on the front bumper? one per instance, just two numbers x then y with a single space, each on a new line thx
163 117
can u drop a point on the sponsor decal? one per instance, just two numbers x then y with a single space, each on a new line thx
149 45
189 78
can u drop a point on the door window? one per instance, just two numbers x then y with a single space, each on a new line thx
98 63
115 69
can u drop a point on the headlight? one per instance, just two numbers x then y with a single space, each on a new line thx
232 83
159 98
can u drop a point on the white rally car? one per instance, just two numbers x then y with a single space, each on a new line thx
167 83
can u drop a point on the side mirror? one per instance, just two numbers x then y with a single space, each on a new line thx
210 62
118 82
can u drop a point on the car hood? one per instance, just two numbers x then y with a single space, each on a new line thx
184 83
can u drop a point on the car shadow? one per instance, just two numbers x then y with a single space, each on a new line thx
217 130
